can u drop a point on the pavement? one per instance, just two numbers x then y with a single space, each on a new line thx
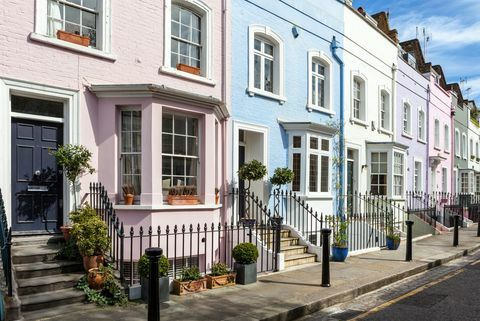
293 293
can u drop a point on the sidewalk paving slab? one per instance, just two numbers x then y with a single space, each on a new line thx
297 292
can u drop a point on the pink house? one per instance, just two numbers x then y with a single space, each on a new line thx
142 87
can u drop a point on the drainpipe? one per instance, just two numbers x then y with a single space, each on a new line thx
394 100
427 135
334 46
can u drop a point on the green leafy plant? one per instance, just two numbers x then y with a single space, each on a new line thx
75 161
191 273
91 236
111 294
183 190
69 250
252 171
83 214
245 253
282 176
219 269
340 237
144 266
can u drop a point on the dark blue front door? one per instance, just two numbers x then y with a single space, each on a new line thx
37 187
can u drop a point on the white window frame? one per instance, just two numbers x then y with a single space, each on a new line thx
436 134
464 146
206 60
363 117
321 57
444 179
407 119
471 151
279 68
457 142
421 126
387 173
400 175
477 150
104 47
455 181
464 182
384 92
417 177
446 138
121 153
298 150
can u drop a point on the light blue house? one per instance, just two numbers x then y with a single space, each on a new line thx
286 92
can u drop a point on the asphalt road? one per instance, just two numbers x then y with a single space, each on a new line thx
450 292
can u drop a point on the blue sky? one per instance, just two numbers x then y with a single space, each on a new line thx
454 27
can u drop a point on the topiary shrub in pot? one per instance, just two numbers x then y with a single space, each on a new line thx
191 281
220 276
163 281
340 240
245 256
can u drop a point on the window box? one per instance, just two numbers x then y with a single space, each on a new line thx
73 38
189 69
183 200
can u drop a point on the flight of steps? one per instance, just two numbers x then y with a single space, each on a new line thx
43 281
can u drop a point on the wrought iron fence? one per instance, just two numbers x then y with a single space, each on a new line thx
6 246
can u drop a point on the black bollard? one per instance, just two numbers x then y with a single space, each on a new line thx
326 257
478 225
455 229
408 256
153 254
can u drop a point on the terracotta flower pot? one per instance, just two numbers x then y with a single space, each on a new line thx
90 262
217 198
66 231
214 282
96 279
128 199
187 287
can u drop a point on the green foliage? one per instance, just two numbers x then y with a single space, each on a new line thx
82 214
252 171
340 236
219 269
144 266
191 273
245 253
282 176
91 236
111 294
69 250
395 237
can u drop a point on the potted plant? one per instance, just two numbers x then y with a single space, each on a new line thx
251 171
75 38
217 196
340 241
189 69
245 256
96 277
220 276
128 194
393 241
75 161
190 281
163 281
281 176
183 195
90 233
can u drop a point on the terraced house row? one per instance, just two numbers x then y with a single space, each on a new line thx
183 92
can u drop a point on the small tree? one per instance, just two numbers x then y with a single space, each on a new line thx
280 177
252 171
75 161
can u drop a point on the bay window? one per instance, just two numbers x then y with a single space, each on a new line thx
379 173
398 168
131 149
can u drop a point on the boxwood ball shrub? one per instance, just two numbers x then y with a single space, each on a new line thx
245 253
144 266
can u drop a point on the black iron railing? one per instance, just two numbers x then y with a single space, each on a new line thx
6 246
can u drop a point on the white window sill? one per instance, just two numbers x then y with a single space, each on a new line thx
166 207
407 135
318 196
186 75
385 131
421 141
438 148
71 46
324 110
359 122
254 91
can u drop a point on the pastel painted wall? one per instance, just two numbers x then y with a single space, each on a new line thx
412 89
262 114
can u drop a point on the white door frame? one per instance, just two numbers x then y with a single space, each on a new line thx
70 98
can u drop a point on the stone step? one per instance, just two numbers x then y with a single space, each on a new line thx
32 270
51 299
48 283
298 259
264 234
35 253
62 310
284 241
37 239
293 250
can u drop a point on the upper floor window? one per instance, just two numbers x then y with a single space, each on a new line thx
265 63
472 155
457 143
384 110
421 125
358 99
407 123
437 134
464 146
186 39
188 34
319 82
446 137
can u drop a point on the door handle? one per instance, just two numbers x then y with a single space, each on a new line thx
37 172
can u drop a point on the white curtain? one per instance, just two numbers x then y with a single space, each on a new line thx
54 21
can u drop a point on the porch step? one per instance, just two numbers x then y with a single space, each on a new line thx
34 253
48 283
63 310
39 269
52 299
37 239
293 250
299 259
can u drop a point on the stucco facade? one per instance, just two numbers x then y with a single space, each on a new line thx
130 68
